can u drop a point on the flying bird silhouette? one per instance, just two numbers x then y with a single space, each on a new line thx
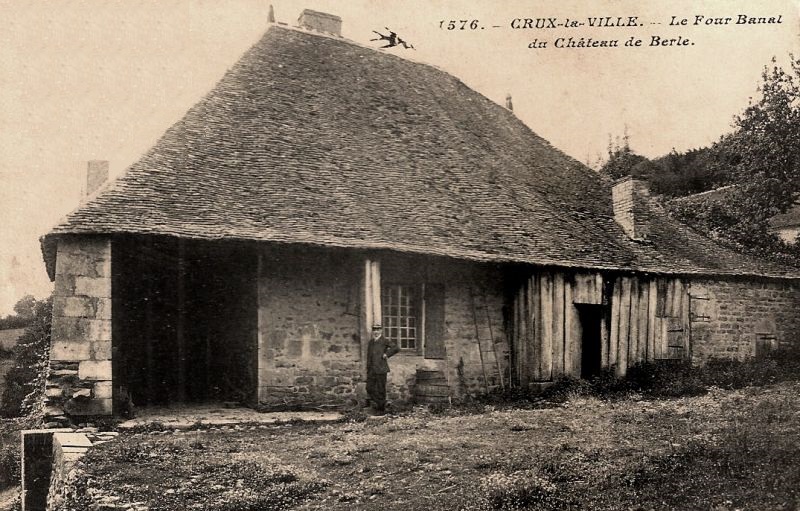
392 40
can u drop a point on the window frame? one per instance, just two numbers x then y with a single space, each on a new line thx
416 306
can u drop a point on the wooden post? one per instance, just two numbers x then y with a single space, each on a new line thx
633 328
546 321
367 302
559 313
534 328
624 326
652 301
377 311
572 335
613 342
642 311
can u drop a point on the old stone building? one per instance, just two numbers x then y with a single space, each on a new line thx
324 187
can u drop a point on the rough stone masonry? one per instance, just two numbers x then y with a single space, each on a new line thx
79 381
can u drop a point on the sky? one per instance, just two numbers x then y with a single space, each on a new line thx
103 79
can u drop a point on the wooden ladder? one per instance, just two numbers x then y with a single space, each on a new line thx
482 318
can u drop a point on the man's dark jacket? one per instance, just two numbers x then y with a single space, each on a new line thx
376 364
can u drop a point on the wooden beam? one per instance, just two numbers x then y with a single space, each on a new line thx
559 314
535 328
686 317
624 327
377 311
572 335
546 321
367 298
642 312
613 341
652 302
633 336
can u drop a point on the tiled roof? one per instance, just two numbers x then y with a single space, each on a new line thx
314 139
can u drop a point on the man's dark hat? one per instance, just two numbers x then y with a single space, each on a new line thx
377 327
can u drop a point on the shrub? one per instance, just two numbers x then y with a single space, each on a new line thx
519 490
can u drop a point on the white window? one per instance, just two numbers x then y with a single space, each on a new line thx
400 316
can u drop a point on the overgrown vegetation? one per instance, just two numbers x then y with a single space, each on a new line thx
25 382
221 483
759 160
682 453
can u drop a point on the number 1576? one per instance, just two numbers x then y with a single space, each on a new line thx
459 24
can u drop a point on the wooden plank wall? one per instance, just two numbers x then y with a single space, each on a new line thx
547 328
648 318
649 321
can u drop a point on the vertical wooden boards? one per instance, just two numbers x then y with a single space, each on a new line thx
686 317
525 334
642 312
559 313
652 302
572 335
546 327
534 330
633 325
624 326
613 341
588 288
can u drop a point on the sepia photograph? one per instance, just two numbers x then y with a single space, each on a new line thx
420 255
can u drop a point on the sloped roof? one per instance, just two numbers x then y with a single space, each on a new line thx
315 139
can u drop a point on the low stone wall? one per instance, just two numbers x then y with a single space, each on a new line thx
79 382
729 316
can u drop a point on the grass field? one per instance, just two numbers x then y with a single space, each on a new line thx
726 450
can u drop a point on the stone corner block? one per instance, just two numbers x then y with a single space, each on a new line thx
94 370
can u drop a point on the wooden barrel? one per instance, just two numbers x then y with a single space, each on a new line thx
431 387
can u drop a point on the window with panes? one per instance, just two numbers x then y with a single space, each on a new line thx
400 316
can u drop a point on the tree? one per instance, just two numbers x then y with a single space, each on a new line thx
25 382
763 158
24 307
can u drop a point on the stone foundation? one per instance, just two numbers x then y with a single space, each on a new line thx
79 382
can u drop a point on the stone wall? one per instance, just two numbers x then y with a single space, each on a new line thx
728 316
308 338
79 382
310 326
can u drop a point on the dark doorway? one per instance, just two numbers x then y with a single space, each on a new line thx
591 317
184 321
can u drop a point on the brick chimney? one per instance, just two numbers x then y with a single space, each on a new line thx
630 197
96 175
320 21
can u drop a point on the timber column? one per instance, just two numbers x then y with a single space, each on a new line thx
79 380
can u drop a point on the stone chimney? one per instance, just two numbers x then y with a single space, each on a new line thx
96 175
509 104
321 22
630 197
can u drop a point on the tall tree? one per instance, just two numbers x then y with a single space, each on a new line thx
763 157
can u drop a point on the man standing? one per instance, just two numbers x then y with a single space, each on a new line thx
378 353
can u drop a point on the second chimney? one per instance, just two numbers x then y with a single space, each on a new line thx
96 175
320 21
630 197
